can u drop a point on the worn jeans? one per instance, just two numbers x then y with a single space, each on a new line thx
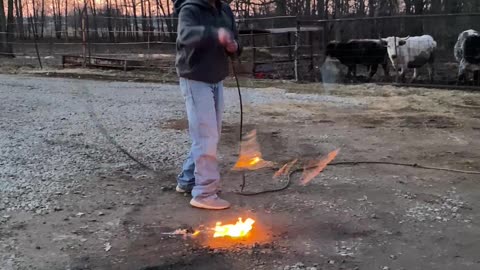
204 103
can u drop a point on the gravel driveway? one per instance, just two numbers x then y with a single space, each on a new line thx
69 199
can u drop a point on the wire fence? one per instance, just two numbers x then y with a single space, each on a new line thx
285 47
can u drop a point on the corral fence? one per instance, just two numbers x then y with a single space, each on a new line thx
274 47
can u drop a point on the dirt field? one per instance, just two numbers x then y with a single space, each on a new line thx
70 200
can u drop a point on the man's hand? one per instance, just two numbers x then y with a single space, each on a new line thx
225 38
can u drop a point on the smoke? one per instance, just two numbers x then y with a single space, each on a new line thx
330 72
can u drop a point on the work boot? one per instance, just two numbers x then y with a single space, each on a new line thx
211 202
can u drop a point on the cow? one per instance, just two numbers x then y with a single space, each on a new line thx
367 52
467 53
411 52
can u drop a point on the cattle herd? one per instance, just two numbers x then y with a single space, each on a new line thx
405 53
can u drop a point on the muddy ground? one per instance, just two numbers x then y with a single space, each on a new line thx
69 199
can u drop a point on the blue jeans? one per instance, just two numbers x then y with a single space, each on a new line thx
204 103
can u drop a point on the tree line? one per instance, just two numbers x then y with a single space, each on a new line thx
149 20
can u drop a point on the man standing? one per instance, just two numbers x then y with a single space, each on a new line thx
207 36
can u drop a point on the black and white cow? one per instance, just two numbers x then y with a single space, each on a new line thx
467 53
411 52
367 52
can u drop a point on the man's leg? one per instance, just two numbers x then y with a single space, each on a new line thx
204 131
219 105
186 179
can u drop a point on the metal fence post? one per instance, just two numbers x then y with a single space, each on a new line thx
35 38
254 50
297 46
84 38
310 40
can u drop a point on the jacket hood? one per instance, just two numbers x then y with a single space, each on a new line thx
179 4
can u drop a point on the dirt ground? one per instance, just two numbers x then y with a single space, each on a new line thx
71 200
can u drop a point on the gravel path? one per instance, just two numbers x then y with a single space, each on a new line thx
68 196
44 122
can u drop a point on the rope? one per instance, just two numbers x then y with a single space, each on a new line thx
354 163
241 117
101 128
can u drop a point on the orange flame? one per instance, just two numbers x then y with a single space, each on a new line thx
308 175
250 157
240 228
285 168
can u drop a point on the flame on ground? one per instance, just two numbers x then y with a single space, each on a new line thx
309 174
238 229
285 168
250 157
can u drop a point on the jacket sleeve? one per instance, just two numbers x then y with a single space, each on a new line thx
191 33
235 33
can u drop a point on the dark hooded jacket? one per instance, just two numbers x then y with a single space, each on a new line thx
200 56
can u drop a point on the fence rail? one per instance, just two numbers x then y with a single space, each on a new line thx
291 52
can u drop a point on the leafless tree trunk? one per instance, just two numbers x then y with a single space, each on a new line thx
19 15
135 22
42 20
151 24
436 6
144 19
319 8
171 22
115 20
126 19
361 8
93 7
160 29
308 7
10 26
75 19
57 19
28 22
66 20
111 35
3 31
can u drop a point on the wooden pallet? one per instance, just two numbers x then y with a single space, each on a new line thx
101 62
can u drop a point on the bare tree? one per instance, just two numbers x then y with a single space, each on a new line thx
57 18
135 22
319 8
3 31
93 8
66 20
115 20
151 24
144 16
160 28
10 27
42 16
109 14
75 18
19 15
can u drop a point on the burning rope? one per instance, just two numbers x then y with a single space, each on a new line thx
354 163
234 70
